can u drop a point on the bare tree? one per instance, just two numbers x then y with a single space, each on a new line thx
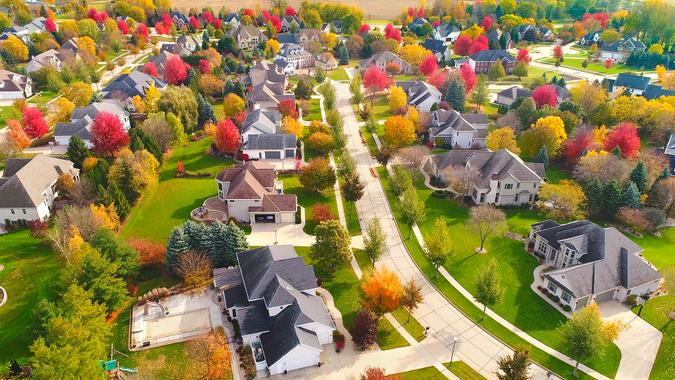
604 167
460 179
413 156
80 217
195 269
83 193
486 220
157 127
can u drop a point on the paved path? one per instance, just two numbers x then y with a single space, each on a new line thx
475 346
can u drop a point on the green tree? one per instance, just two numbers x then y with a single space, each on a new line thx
594 195
303 89
412 209
488 285
198 236
514 367
120 200
77 151
631 195
117 251
355 88
318 175
496 71
439 244
401 180
205 111
226 241
319 75
98 275
612 197
456 95
541 156
480 93
177 128
182 102
126 181
526 110
374 240
176 246
331 249
520 70
639 177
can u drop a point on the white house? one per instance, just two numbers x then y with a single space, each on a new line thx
28 187
276 146
296 56
271 294
621 50
50 58
455 130
446 33
421 94
14 86
260 122
592 264
252 194
503 180
82 119
509 95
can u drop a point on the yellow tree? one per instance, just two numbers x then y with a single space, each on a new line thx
398 100
233 105
16 136
69 29
473 31
548 131
272 47
414 116
79 93
87 44
629 108
63 109
589 96
139 104
413 54
152 95
330 40
292 126
382 291
15 48
502 138
562 200
106 215
399 131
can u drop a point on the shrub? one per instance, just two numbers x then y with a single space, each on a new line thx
149 252
321 212
544 291
567 308
38 229
631 300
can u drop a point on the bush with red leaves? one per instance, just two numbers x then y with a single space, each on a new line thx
204 66
150 254
321 212
123 26
486 23
150 69
523 56
428 65
38 228
226 137
365 28
287 107
175 70
625 137
392 33
468 76
50 26
375 80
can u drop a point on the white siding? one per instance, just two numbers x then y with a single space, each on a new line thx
299 357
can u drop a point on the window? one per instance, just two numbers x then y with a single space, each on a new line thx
518 185
534 185
508 186
12 210
565 297
220 186
516 199
542 246
530 198
552 287
24 211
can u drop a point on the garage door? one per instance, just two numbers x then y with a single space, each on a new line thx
290 153
606 296
272 154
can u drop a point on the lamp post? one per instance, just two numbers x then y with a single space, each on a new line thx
276 241
452 355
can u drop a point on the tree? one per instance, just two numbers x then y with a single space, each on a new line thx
225 241
321 212
608 63
612 196
460 178
640 177
496 71
557 52
548 131
399 131
115 249
382 291
157 127
412 209
64 109
625 137
439 244
514 367
502 138
176 246
79 93
175 70
34 123
288 108
205 112
227 137
353 188
364 329
586 334
468 76
372 373
108 134
375 80
631 196
303 89
462 45
545 95
15 49
542 156
398 100
233 105
523 56
331 249
520 70
486 220
563 200
17 136
317 175
374 240
428 65
180 101
456 95
480 94
526 110
320 142
411 297
489 289
151 69
589 97
194 268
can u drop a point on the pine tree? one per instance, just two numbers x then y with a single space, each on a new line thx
456 95
235 242
77 151
136 143
639 177
98 175
121 202
193 81
176 246
616 151
631 195
594 195
612 197
149 143
226 241
197 235
126 182
205 111
344 55
665 173
103 197
542 156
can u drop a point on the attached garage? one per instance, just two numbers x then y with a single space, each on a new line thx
270 146
605 296
272 155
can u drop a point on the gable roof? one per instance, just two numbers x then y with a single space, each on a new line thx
632 81
274 141
670 146
384 56
450 121
24 180
248 180
11 81
419 91
82 118
492 56
628 44
515 92
261 121
129 85
654 92
435 46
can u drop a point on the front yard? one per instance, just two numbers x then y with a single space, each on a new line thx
596 67
307 199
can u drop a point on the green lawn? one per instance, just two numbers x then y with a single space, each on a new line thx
31 270
307 199
380 106
42 98
463 371
8 112
575 63
427 373
314 110
520 305
409 323
556 172
338 74
169 203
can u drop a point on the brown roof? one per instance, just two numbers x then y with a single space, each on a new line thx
277 203
248 180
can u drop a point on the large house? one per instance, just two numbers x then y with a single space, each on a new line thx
590 39
296 57
384 58
271 294
28 187
504 179
252 194
421 94
446 33
126 86
260 122
14 86
460 131
49 58
592 264
265 72
276 146
268 95
509 95
247 36
291 23
620 50
326 61
482 61
438 48
82 119
636 85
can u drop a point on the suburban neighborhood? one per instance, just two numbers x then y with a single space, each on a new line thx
446 189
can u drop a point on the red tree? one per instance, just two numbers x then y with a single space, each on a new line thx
468 76
141 32
249 12
175 70
602 18
50 26
372 373
287 107
365 28
375 80
421 12
194 22
625 137
435 23
276 21
480 44
108 134
34 123
463 45
557 52
239 118
486 23
393 68
428 65
438 78
609 63
364 329
99 17
207 16
123 26
545 95
204 66
150 69
321 212
290 11
217 23
227 137
392 33
575 146
523 56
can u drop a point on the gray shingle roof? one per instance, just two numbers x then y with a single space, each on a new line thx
492 56
261 121
82 118
25 180
515 92
654 92
129 85
275 141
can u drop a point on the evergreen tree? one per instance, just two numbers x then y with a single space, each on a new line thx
594 195
197 235
176 246
456 95
303 90
236 242
665 173
136 142
77 151
193 81
344 55
235 88
613 197
126 182
121 202
226 241
205 111
542 156
103 196
149 143
98 175
616 151
631 195
639 177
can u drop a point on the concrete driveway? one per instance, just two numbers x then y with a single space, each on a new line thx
639 342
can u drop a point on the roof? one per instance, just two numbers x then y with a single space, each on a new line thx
419 91
261 121
291 49
248 180
449 121
629 44
25 180
632 81
492 56
82 118
654 92
435 46
497 165
670 147
129 85
277 203
266 72
515 92
271 141
561 91
246 32
446 29
383 56
11 81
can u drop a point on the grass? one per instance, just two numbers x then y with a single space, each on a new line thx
380 106
596 67
218 110
427 373
42 98
338 74
463 371
31 270
387 336
352 217
307 198
556 172
409 323
314 110
8 112
520 305
170 202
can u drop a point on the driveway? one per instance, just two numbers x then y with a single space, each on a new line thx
283 233
639 342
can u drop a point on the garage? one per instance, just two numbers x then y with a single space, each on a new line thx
290 153
272 155
605 296
265 218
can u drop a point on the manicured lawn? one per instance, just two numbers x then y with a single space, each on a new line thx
8 112
351 215
520 305
575 63
387 336
409 323
169 203
463 371
427 373
31 270
556 172
42 99
314 110
338 74
380 106
307 199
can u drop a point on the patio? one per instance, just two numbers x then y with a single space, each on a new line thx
213 209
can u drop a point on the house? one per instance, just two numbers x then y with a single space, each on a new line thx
336 26
126 86
291 23
82 119
271 294
247 36
462 131
14 86
620 50
635 84
265 72
669 151
267 95
325 27
190 42
49 58
296 56
654 92
232 19
562 93
160 59
252 194
590 39
384 58
277 146
260 122
503 180
180 20
446 33
308 35
28 187
482 61
509 95
592 264
326 61
497 39
534 33
421 94
438 48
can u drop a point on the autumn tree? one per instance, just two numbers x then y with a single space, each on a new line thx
625 137
514 367
175 70
489 289
373 373
331 249
502 138
375 80
428 65
364 329
108 134
80 93
353 188
233 105
412 209
548 131
523 56
212 354
194 268
288 108
16 136
496 71
374 240
545 95
399 131
227 137
468 76
34 123
411 297
589 97
180 101
563 200
398 100
460 179
486 220
382 291
439 244
14 49
479 96
557 52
